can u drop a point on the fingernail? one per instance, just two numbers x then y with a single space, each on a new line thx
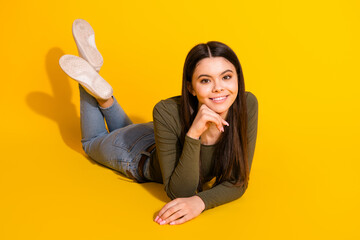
172 223
157 217
227 124
163 222
159 220
222 129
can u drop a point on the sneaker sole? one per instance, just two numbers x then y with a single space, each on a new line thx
81 71
84 37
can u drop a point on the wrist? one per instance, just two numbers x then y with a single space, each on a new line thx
192 135
201 203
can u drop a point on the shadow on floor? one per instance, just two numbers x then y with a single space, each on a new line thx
155 189
59 108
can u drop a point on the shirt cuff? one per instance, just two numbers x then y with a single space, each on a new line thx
192 140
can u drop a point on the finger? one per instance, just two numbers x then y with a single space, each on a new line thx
167 206
222 120
212 112
213 117
180 221
177 215
216 120
170 211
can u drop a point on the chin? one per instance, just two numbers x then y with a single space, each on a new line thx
220 110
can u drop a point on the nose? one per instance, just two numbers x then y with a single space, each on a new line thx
218 87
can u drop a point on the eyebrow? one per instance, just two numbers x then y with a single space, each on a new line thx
205 75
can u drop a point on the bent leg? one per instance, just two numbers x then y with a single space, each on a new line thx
91 119
115 116
115 149
102 150
122 149
96 141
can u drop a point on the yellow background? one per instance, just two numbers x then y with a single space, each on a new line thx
300 58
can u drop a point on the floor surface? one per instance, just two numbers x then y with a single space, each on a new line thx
300 60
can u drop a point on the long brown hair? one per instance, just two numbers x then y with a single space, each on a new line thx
231 152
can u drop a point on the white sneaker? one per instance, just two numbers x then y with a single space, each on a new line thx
84 37
81 71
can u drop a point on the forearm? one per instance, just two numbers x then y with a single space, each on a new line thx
184 179
220 194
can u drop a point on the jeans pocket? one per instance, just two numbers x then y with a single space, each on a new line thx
135 137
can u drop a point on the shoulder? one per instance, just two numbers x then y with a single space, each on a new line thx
251 107
167 112
170 106
251 100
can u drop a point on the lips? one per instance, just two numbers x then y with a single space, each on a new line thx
219 99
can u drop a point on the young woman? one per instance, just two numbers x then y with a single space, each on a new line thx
207 133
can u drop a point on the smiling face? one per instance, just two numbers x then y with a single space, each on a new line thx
215 84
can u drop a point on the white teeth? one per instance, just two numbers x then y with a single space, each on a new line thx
219 98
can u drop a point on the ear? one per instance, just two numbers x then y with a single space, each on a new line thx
190 88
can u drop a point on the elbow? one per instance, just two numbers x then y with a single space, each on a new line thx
179 192
241 191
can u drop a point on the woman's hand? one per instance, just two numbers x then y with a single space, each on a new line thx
180 210
204 117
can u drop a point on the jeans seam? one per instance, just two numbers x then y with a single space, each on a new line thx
130 147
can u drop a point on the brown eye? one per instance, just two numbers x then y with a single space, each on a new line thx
227 77
205 80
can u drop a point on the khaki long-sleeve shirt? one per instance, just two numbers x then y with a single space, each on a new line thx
176 165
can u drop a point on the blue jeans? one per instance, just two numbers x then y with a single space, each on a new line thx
122 146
